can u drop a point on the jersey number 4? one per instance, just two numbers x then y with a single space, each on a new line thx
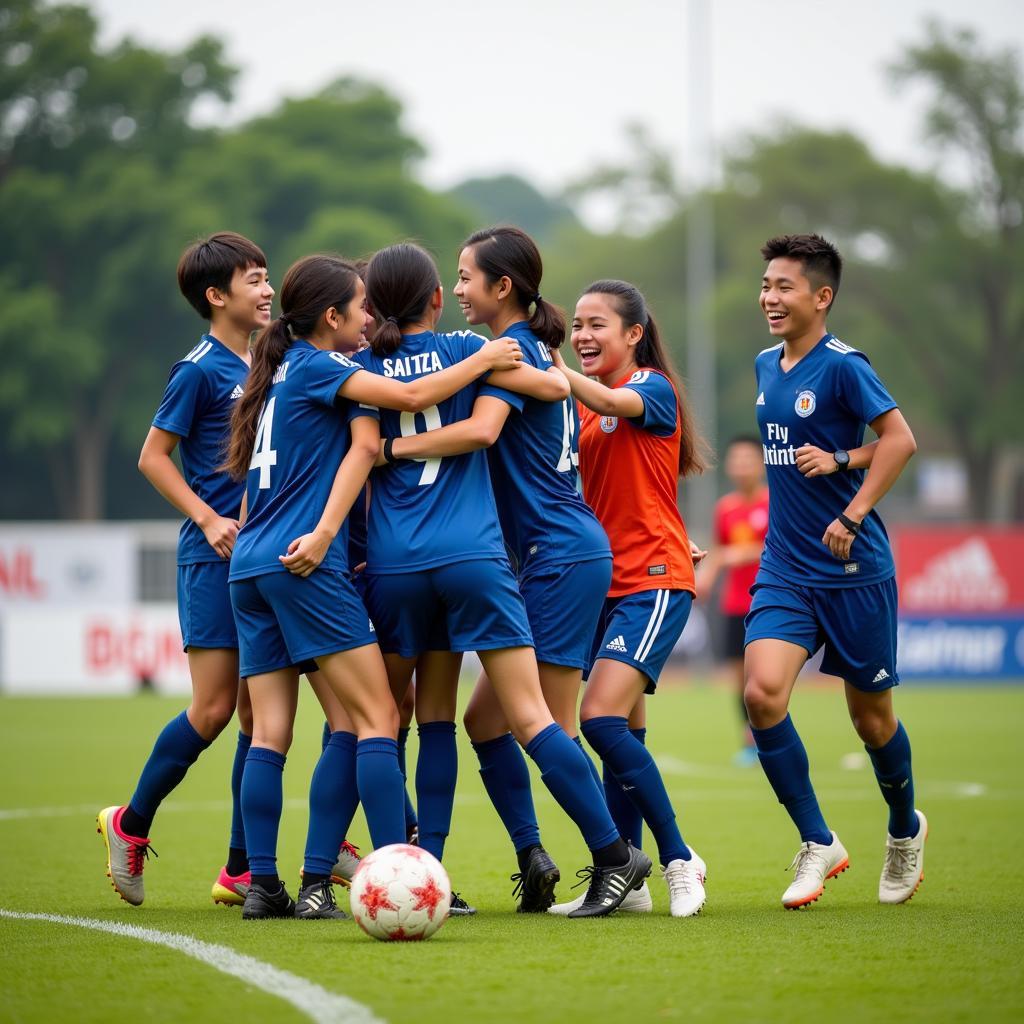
431 421
263 456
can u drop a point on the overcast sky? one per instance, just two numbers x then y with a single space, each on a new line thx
543 87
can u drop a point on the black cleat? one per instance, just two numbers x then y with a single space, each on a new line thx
459 907
316 903
610 886
262 904
535 886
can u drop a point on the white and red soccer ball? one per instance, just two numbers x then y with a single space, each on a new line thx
400 893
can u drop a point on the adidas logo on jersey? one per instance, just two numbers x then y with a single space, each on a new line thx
882 675
760 399
237 392
618 644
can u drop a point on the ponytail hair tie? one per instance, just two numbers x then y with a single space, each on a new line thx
284 321
537 299
391 320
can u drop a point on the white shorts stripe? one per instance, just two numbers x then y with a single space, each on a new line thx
653 624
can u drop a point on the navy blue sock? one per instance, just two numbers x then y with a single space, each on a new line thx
325 736
410 811
564 770
262 798
437 768
507 781
380 789
333 799
896 781
784 759
630 762
237 828
175 751
626 815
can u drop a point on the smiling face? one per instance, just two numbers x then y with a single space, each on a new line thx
246 303
604 343
479 300
348 326
794 307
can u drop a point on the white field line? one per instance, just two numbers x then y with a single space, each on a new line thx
306 996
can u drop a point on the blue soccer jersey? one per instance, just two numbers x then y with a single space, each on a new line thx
826 400
533 464
302 436
196 406
429 512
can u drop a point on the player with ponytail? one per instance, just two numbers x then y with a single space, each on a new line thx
637 436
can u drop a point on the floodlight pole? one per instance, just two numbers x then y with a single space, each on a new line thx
700 264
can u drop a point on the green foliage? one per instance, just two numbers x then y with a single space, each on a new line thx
509 199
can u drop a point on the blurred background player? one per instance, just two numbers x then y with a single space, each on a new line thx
741 522
637 437
826 575
435 542
224 277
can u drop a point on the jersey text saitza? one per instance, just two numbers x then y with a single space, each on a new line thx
429 512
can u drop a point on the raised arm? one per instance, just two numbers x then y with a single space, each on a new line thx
894 449
157 466
305 553
479 430
622 402
414 396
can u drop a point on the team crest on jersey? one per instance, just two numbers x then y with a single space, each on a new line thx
640 377
609 423
805 403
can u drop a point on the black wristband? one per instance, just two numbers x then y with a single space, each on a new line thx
389 443
850 525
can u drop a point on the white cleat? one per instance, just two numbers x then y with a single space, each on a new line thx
637 902
685 879
346 864
812 867
903 870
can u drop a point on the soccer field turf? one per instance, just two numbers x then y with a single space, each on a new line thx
953 953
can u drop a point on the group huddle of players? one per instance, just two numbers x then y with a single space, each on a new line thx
367 498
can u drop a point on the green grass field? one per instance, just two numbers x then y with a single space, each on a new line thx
953 953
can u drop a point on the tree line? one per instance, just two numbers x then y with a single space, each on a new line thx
105 176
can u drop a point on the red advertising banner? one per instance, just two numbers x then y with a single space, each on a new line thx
960 570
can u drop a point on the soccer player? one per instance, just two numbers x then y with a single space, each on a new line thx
224 278
438 577
741 522
826 574
559 550
637 437
290 590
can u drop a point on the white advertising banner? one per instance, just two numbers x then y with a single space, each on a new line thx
67 564
113 650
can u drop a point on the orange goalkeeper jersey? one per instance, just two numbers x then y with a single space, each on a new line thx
629 469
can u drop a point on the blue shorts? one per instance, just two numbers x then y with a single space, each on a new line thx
465 606
564 605
856 625
204 606
641 629
284 619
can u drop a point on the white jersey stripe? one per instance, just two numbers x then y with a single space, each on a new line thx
657 627
199 351
654 623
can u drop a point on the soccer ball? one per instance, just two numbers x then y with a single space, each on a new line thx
400 893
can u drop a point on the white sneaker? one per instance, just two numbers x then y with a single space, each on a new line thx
685 880
346 864
637 902
903 870
812 867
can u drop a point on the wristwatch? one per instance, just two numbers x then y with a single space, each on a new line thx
842 460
